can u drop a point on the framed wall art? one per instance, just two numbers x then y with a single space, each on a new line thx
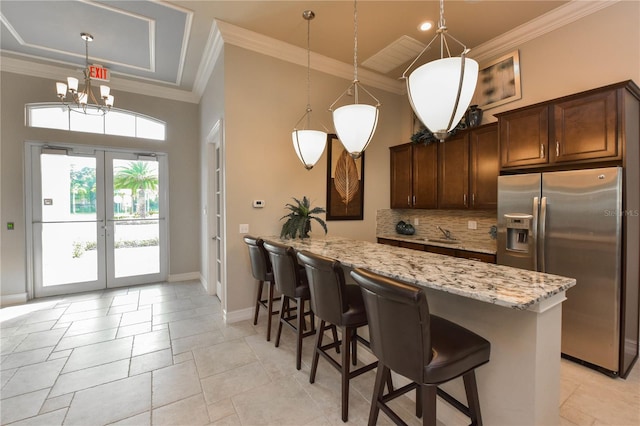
345 182
499 82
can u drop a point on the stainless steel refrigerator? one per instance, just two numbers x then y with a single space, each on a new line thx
570 223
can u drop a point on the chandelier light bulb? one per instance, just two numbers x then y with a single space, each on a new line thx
82 99
72 82
104 91
109 101
61 89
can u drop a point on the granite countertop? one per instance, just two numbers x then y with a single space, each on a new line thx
496 284
488 247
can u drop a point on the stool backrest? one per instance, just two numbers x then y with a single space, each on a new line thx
398 316
327 286
285 267
260 262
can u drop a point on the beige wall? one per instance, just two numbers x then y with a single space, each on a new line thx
597 50
264 98
181 147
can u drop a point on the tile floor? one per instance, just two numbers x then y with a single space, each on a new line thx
161 354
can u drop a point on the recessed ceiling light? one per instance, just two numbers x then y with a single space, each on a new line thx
425 26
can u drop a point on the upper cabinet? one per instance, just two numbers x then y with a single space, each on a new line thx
414 171
460 173
578 129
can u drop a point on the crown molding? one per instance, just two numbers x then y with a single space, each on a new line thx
212 51
550 21
52 72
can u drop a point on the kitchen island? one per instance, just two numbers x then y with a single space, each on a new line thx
518 311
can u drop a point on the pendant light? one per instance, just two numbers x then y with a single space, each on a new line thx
308 144
355 124
440 91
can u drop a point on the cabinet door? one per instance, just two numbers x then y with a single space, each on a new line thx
453 173
425 176
400 176
524 137
483 167
585 128
441 250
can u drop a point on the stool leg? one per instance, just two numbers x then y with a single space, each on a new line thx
316 352
284 307
419 401
346 341
471 389
378 390
354 346
258 298
299 332
429 393
270 309
334 330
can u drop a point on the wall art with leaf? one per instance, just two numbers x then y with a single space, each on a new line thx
345 182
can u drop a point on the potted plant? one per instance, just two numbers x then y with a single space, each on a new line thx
299 219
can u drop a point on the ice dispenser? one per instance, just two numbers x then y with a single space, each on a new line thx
518 230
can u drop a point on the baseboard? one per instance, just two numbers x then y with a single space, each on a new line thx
188 276
13 299
239 315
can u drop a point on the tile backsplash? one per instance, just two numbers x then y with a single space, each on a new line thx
455 221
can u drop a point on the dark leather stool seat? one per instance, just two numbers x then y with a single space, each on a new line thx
337 305
261 271
427 349
291 282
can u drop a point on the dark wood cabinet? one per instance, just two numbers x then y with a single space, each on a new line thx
453 172
484 167
574 130
524 137
585 128
460 173
448 251
414 176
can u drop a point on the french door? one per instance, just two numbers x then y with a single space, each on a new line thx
97 219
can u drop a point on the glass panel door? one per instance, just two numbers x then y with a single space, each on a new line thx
97 219
68 221
135 220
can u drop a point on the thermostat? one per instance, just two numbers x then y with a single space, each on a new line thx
258 204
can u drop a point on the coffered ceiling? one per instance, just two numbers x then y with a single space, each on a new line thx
164 43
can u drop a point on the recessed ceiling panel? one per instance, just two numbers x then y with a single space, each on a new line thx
126 34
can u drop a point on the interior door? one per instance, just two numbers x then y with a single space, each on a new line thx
97 219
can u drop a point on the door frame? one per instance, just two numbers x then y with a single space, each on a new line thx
79 148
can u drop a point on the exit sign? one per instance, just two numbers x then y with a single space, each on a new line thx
97 72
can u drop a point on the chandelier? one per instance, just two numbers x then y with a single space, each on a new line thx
308 144
84 100
440 91
356 123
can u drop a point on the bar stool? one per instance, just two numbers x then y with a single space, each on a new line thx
291 282
262 271
427 349
337 305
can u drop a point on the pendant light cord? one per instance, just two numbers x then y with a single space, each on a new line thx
309 71
355 48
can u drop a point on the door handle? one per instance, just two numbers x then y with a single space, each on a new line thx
541 150
534 231
557 149
543 232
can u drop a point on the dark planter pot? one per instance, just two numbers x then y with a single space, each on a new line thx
474 116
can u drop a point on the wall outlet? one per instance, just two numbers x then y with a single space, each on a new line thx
244 228
472 224
416 221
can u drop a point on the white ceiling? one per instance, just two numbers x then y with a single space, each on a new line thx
161 44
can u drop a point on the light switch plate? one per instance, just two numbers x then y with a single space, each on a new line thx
416 221
472 224
244 228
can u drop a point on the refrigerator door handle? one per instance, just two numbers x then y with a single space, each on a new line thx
543 232
534 231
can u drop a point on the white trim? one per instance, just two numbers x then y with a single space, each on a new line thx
236 316
546 304
212 51
187 276
13 299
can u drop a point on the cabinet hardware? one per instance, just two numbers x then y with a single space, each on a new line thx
409 200
414 200
557 149
541 150
464 198
473 199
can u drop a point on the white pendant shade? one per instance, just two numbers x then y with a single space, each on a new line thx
433 88
355 125
309 146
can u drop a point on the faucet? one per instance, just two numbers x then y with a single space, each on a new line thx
446 233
